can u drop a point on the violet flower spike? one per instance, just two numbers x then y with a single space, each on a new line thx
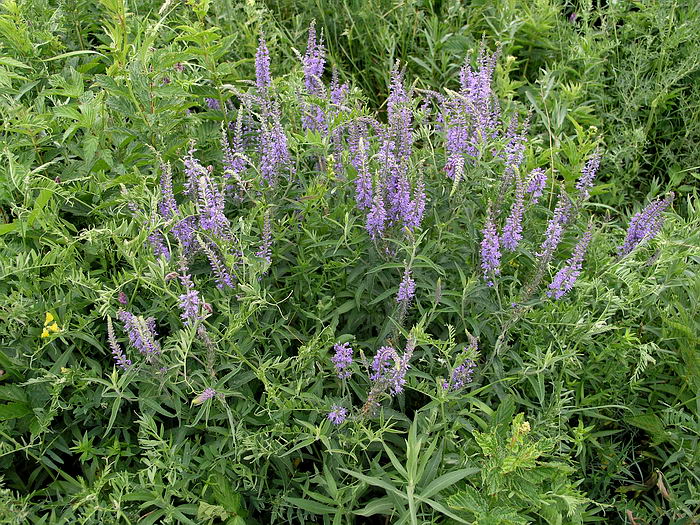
512 231
555 227
337 415
342 360
490 252
314 63
645 225
263 79
206 395
211 207
158 243
265 250
142 333
190 302
535 187
566 277
167 206
376 218
588 173
213 103
223 276
407 289
120 358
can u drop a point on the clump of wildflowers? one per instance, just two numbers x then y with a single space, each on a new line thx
566 277
645 225
342 360
337 415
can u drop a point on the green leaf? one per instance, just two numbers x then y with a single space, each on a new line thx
311 506
371 480
446 480
14 411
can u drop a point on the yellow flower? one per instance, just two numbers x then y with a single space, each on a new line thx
49 325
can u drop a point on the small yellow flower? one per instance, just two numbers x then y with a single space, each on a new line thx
49 325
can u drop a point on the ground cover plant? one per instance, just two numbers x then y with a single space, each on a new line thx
237 286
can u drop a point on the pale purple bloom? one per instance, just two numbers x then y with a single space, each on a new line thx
399 116
645 225
314 63
555 227
211 207
262 68
342 360
376 218
221 272
274 153
417 206
167 206
119 357
206 395
358 148
407 288
265 250
158 243
185 232
470 118
461 376
142 333
213 103
338 91
337 415
193 171
490 250
514 149
566 277
233 161
535 187
389 369
588 173
122 298
190 302
512 231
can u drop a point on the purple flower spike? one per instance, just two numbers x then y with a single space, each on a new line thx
158 243
122 298
535 187
512 231
314 63
359 158
190 302
407 288
389 369
645 225
342 360
461 376
206 395
337 415
119 357
223 276
555 227
142 333
490 252
376 218
588 173
213 103
167 206
566 277
211 207
262 68
265 250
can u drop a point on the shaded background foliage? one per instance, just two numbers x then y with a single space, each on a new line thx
607 381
